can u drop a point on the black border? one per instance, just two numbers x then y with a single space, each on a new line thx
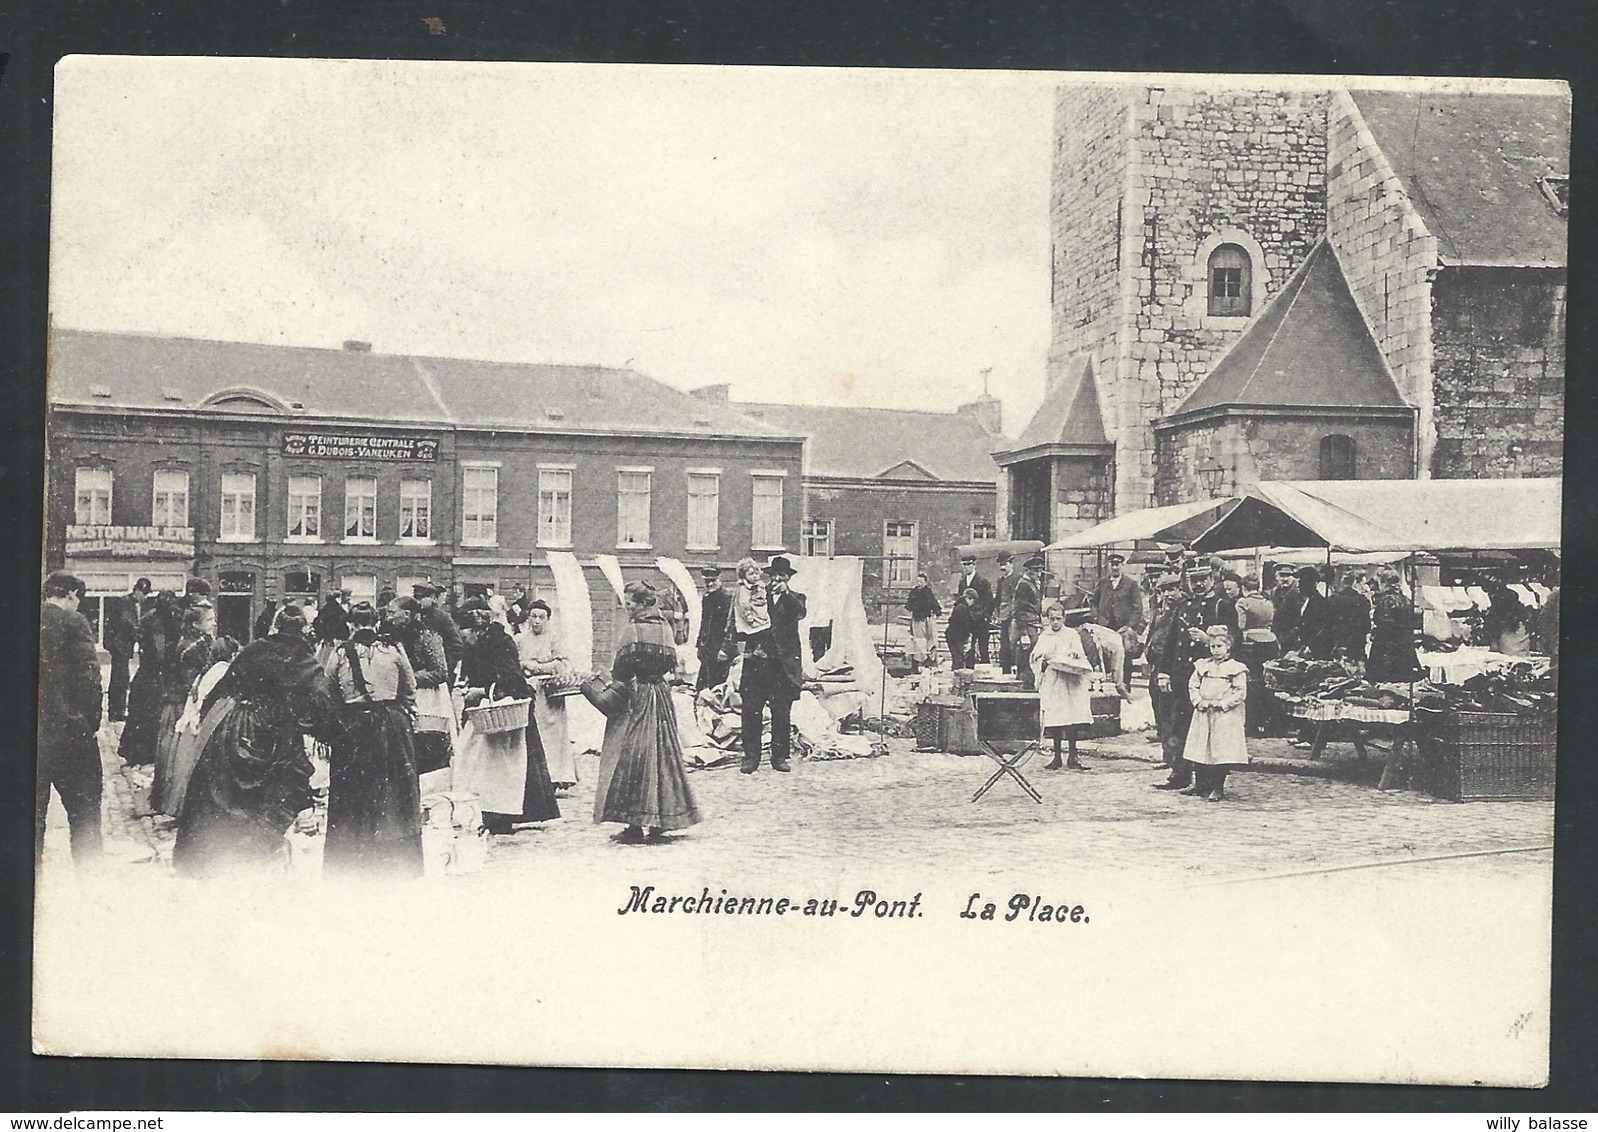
1435 37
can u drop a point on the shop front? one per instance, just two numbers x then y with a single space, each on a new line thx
111 559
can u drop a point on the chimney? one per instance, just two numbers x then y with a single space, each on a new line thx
987 411
717 394
356 346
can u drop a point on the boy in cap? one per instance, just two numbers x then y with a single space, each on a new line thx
1004 610
970 580
1027 616
715 616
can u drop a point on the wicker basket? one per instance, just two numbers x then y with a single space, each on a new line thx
1473 755
495 718
1280 680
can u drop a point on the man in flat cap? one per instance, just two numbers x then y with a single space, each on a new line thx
1004 610
1027 617
69 720
1184 643
969 579
1118 605
715 618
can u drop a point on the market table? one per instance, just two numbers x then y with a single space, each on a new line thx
1326 714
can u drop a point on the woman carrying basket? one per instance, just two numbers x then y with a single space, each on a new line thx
642 783
504 768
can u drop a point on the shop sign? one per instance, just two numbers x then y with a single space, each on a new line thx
369 446
131 542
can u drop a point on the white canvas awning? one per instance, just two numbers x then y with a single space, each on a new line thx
1176 523
1393 515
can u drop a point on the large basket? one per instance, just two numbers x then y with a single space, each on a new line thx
1474 755
493 719
606 693
1280 680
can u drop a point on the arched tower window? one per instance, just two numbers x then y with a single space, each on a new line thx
1231 281
1337 457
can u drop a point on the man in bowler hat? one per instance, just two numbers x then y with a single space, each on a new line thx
774 671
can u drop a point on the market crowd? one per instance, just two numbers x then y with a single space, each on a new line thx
386 693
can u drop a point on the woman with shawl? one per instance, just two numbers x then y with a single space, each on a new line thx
642 783
252 778
505 769
159 630
186 753
541 655
191 658
374 807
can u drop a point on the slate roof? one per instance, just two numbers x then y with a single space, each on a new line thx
1471 163
146 371
1069 414
886 443
1308 347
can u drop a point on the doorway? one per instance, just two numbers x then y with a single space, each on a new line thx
235 604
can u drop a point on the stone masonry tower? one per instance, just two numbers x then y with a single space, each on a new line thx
1162 196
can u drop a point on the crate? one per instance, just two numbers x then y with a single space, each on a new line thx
1106 717
1478 756
959 728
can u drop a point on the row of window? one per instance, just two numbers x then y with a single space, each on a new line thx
900 545
309 522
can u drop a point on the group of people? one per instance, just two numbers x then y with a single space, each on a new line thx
393 690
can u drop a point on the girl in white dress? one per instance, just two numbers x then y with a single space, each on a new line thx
1216 739
1062 673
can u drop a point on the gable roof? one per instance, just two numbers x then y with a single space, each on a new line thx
879 443
1309 347
1471 163
149 372
1069 414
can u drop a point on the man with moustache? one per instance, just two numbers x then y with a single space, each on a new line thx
713 644
969 579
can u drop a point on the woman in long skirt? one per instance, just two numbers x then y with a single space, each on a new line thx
541 655
505 769
374 806
159 630
1216 739
193 657
1062 672
190 728
252 777
642 783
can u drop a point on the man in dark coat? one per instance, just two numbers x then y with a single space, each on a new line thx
1118 605
960 634
1310 635
712 643
332 620
1028 619
121 638
1348 618
1167 592
1004 610
774 671
1285 598
438 619
69 719
1184 643
969 579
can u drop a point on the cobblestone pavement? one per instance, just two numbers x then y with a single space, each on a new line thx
908 809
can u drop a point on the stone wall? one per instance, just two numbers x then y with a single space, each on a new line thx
1082 495
1386 253
1275 448
1498 342
1200 167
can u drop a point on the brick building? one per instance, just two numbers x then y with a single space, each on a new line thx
280 472
897 488
1261 282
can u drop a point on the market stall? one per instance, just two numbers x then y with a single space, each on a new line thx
1483 722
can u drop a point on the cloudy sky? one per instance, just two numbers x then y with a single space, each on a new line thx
847 237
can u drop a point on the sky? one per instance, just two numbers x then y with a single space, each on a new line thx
841 237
